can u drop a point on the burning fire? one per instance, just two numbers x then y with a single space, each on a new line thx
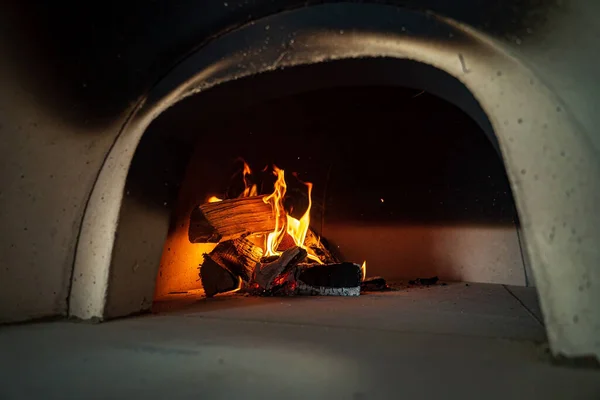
275 217
285 223
275 199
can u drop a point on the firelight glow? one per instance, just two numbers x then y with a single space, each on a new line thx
363 270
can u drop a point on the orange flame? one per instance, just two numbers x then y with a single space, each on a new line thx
297 228
276 200
214 199
363 270
285 223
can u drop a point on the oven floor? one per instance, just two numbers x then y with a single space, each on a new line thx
446 342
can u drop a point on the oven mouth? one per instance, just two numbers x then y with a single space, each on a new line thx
401 178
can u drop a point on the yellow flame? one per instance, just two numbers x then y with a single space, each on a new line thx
214 199
363 270
297 228
276 200
285 223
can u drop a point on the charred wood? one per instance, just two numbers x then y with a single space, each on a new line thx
265 274
216 278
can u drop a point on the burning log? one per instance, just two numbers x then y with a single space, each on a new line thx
265 274
237 260
229 263
238 256
230 219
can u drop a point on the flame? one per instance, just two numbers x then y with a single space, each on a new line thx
276 200
297 228
285 223
249 190
363 270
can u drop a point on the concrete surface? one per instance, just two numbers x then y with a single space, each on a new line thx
445 342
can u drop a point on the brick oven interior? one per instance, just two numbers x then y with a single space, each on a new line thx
401 178
440 158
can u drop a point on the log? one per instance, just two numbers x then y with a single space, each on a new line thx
340 279
265 274
230 219
339 275
238 256
216 278
249 255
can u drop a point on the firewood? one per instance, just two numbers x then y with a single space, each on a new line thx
340 279
265 274
336 276
216 278
238 256
249 255
230 219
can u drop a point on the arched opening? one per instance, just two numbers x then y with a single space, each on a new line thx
402 178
